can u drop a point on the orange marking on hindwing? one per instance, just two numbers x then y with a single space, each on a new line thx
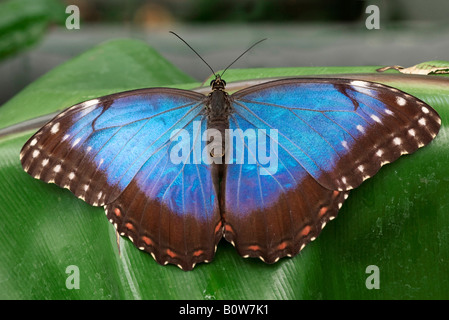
170 253
218 227
254 247
282 246
147 241
305 231
117 212
198 253
129 226
323 211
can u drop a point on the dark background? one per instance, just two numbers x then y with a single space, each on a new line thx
34 39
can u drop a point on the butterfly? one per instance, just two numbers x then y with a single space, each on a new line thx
265 167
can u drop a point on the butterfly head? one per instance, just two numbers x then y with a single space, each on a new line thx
218 83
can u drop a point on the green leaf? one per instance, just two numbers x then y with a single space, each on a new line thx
396 220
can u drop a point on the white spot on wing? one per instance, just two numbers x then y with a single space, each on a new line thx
401 101
361 128
88 106
90 103
412 132
425 110
363 87
375 118
55 128
71 175
397 141
45 162
76 142
35 153
422 121
57 168
359 83
33 142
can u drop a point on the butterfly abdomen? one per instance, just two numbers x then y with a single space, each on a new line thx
218 109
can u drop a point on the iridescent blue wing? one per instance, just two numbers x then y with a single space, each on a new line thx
115 152
325 137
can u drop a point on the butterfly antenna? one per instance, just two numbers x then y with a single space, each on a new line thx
195 52
242 55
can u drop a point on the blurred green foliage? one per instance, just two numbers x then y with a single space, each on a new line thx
24 22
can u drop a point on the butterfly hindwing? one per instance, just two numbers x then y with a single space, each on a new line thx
277 213
170 210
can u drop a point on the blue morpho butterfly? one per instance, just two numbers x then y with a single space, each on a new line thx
266 167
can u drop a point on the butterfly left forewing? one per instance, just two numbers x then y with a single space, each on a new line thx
91 145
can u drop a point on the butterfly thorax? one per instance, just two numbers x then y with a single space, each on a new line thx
218 108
